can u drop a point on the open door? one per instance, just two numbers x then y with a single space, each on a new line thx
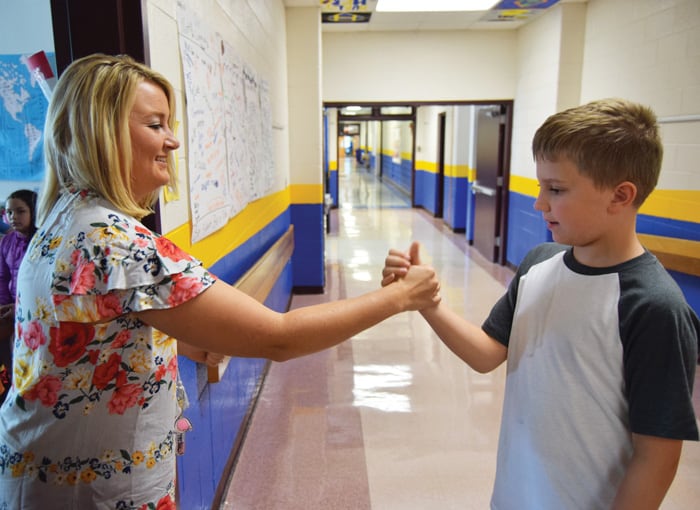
488 188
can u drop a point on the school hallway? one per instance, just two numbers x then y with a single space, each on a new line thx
391 419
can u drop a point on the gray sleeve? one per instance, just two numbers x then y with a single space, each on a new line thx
659 334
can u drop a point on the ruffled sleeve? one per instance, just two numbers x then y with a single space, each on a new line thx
117 266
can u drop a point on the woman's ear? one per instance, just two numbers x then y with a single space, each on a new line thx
623 196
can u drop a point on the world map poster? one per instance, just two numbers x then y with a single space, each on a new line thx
22 117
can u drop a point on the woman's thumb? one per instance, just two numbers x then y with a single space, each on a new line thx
414 253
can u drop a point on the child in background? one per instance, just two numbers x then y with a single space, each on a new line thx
599 342
20 213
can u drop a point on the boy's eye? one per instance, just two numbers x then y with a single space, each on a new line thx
555 191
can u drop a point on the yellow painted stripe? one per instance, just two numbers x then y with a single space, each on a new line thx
237 231
462 171
682 205
459 171
524 185
426 166
333 166
306 193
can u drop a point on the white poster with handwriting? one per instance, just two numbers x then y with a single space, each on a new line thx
229 119
234 108
208 179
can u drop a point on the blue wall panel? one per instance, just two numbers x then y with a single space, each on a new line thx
668 228
425 192
217 410
333 186
398 174
309 245
419 189
455 202
235 264
469 231
526 228
405 169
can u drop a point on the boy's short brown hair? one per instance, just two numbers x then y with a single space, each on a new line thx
609 140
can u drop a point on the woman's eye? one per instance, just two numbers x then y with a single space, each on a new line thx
155 126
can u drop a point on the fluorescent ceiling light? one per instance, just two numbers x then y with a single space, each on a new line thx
434 5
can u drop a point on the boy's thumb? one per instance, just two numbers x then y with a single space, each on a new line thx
414 253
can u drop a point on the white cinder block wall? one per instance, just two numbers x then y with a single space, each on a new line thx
649 51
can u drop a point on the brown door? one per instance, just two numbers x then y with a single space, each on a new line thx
440 180
488 185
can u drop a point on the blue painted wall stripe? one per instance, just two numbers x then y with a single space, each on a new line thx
309 245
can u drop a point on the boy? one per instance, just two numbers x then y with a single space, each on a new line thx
600 343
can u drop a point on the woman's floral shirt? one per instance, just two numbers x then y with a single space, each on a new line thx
89 421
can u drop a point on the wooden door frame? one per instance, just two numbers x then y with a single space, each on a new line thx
440 170
113 27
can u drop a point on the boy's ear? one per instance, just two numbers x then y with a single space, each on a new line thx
623 195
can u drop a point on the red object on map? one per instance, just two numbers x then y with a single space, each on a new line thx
40 62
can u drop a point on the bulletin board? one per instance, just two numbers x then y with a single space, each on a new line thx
229 127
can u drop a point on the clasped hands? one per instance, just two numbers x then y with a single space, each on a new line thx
398 263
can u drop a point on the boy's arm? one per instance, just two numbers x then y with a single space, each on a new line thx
467 340
649 473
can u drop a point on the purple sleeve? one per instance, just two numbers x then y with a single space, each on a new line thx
5 272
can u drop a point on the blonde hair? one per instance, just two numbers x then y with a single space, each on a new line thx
609 140
87 140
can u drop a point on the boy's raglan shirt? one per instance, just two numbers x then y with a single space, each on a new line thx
593 355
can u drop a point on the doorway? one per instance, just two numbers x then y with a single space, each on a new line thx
490 185
440 170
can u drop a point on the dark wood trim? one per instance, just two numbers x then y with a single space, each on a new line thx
504 189
308 289
83 27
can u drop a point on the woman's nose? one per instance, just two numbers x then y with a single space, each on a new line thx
171 142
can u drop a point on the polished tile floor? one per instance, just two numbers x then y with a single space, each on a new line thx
391 419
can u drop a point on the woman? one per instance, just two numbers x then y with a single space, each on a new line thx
89 420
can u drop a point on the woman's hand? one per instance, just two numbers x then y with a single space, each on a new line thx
398 262
212 359
7 312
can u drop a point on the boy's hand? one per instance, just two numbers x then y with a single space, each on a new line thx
421 288
397 263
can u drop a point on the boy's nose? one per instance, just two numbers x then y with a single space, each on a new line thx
540 204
